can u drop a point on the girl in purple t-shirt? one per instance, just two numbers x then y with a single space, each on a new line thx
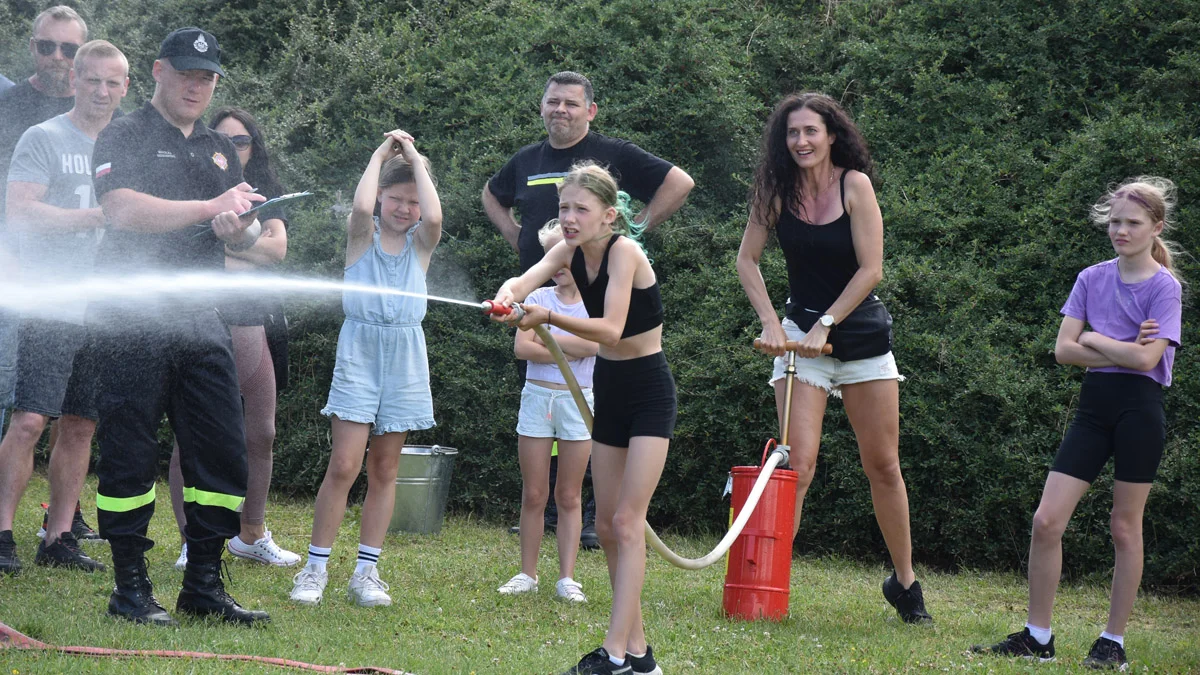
1132 305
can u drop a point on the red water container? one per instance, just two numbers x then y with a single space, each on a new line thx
759 567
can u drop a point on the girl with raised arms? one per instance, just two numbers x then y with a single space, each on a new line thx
380 389
635 405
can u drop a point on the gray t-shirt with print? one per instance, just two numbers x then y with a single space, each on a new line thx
57 154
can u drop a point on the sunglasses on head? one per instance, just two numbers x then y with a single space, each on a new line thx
47 47
241 141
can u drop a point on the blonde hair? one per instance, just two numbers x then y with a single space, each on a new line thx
1157 196
549 231
99 49
597 180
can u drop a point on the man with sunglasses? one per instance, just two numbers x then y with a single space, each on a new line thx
58 33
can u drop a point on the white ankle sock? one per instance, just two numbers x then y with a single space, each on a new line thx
367 556
631 655
1042 635
615 661
1119 639
318 557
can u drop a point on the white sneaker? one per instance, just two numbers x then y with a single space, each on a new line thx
522 583
264 550
181 563
368 590
569 590
309 585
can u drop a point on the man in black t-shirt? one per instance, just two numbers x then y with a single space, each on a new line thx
172 190
529 180
58 33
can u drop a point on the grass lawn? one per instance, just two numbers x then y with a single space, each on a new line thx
447 617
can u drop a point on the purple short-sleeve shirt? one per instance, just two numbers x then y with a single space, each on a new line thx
1116 309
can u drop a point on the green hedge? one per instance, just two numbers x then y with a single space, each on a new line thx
994 124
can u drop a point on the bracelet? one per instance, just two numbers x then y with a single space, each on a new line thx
549 317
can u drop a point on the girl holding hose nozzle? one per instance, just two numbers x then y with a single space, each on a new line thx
813 190
635 405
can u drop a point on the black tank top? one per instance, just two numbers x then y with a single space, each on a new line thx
820 261
645 304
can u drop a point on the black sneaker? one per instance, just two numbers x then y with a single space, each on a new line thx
908 601
597 663
65 553
1106 654
82 531
588 539
643 665
9 562
1019 644
79 527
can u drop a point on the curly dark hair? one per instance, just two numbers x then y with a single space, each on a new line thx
777 178
258 171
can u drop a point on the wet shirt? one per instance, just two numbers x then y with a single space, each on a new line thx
1116 309
529 181
58 155
146 153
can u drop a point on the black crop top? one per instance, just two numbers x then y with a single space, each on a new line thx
645 304
820 261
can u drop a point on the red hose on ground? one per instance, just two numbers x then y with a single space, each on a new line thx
10 637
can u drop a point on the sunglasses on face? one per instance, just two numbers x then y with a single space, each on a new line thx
241 141
47 47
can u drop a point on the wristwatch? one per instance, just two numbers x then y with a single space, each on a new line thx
826 320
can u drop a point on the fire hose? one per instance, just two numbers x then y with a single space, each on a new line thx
778 454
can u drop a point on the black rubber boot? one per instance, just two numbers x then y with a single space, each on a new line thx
133 598
204 594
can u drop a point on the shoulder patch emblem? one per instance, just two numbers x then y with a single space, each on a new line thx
220 161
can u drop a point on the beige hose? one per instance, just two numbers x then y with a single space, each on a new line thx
777 457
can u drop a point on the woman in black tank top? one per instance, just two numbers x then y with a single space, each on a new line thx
635 404
813 190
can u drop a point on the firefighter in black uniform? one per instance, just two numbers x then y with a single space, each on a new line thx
172 190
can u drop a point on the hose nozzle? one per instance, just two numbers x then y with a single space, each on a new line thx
492 308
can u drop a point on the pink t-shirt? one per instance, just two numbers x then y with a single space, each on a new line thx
1116 309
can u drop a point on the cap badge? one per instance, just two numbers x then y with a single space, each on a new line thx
220 161
200 45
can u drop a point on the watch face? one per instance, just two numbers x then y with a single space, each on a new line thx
827 321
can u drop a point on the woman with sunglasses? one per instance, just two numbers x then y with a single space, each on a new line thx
262 369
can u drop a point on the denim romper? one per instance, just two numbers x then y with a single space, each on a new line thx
381 376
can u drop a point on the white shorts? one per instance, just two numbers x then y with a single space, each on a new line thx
552 413
830 374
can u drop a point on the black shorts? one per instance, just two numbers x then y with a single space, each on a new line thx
1121 416
633 398
55 369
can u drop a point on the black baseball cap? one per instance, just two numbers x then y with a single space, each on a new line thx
192 49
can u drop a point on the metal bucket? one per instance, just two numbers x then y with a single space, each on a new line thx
422 488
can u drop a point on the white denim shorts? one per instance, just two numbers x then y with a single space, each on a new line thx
552 413
830 374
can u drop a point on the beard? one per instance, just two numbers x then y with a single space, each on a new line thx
55 80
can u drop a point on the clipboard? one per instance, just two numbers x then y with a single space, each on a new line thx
281 199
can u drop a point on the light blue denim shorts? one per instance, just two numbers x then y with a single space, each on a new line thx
552 413
828 373
381 378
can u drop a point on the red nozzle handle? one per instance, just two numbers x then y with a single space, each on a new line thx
792 346
490 307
